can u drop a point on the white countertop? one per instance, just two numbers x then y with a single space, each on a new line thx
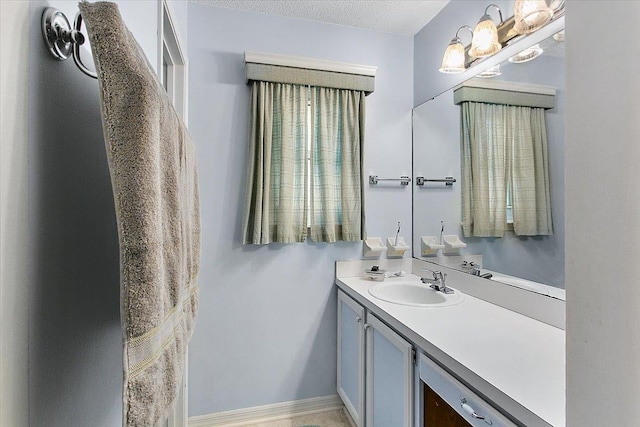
513 360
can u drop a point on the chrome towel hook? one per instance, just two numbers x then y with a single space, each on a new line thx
62 40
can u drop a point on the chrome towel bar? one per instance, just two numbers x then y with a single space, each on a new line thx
404 180
449 180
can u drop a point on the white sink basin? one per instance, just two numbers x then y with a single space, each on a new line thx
415 294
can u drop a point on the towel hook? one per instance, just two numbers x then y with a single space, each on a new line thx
62 40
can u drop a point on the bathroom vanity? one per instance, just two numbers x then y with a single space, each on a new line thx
476 360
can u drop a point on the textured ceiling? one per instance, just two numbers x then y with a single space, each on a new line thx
400 17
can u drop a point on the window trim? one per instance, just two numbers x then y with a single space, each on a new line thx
171 47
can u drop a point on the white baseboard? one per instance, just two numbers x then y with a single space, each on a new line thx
267 413
348 415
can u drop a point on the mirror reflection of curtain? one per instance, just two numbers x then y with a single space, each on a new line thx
504 146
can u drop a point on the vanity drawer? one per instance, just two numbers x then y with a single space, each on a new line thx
465 402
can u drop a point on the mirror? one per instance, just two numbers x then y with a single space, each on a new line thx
437 154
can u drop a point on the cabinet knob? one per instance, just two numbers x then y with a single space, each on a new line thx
366 326
358 319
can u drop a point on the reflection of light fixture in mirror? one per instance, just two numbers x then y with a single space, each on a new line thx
485 36
559 36
530 15
453 59
490 73
527 55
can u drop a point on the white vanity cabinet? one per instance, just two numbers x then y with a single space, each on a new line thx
375 368
351 348
389 379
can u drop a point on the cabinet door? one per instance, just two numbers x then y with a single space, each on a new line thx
351 356
389 377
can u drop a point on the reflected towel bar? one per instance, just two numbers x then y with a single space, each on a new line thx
449 180
404 180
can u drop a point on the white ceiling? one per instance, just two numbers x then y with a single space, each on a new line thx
405 17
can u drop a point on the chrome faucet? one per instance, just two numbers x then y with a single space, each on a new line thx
471 268
437 282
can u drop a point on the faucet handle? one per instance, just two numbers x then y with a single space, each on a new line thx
437 274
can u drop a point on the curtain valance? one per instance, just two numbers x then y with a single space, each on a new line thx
505 93
306 71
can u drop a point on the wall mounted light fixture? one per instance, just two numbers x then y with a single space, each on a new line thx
490 73
559 36
489 38
454 59
529 54
531 15
485 36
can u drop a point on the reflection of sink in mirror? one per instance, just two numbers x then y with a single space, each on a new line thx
415 294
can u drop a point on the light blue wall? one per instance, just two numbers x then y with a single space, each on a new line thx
535 258
75 339
266 329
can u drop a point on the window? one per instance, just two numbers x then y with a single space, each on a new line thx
509 208
308 158
304 177
304 174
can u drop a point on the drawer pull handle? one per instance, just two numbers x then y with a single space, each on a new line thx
469 410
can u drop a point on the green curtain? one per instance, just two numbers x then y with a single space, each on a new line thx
484 169
275 204
502 146
531 197
336 161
